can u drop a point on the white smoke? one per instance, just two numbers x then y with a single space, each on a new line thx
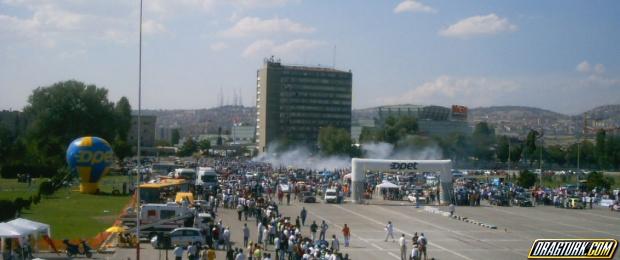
383 150
300 157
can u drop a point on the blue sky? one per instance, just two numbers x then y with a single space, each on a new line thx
558 55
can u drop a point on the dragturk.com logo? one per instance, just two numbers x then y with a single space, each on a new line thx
574 248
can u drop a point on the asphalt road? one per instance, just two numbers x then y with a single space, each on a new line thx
448 238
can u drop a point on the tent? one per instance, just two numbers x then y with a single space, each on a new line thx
387 185
34 226
10 231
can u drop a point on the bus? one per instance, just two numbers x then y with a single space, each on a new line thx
162 191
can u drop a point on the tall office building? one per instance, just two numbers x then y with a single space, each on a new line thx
294 102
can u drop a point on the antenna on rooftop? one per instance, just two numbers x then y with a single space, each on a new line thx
334 57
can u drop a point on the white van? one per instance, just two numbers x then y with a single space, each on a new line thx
331 196
206 178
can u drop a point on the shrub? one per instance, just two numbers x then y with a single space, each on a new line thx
46 188
36 198
8 210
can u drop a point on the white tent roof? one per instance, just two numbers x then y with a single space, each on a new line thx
387 185
8 230
31 225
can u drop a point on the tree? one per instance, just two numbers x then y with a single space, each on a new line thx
613 151
515 152
123 118
176 136
483 140
530 145
204 145
600 149
526 179
190 146
6 143
598 180
334 141
122 149
65 111
556 154
502 149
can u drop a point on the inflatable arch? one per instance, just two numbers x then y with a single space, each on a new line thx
360 166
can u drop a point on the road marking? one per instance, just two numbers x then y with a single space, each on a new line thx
452 231
404 232
559 223
356 236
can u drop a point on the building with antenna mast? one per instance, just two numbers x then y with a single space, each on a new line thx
294 102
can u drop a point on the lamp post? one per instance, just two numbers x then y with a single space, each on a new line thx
139 173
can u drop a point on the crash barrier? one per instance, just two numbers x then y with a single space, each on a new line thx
435 210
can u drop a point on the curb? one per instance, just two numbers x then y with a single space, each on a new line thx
435 210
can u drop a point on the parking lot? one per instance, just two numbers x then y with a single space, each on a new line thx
448 238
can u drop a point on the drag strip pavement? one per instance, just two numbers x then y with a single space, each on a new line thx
404 232
461 234
356 236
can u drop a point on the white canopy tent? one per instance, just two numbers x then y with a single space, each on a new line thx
359 167
38 227
10 231
387 185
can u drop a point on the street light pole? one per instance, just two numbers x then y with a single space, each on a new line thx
139 173
578 155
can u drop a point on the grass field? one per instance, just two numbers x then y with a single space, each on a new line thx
71 214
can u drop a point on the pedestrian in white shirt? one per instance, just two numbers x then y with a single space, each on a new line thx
389 231
402 242
178 252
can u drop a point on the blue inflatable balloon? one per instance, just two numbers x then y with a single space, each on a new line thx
90 157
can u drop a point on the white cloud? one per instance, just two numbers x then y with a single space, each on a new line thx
288 49
259 3
252 25
218 46
446 90
478 25
584 67
599 68
413 7
587 68
153 27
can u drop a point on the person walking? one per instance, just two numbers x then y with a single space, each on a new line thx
402 243
178 252
211 253
303 214
451 209
259 230
313 228
191 251
323 230
389 231
335 244
415 252
246 234
346 233
422 242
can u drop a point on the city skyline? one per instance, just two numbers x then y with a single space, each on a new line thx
554 55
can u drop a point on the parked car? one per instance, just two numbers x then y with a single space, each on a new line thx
308 197
522 201
186 236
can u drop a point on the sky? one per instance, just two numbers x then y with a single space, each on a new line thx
559 55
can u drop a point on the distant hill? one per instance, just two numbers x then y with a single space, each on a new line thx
515 120
202 121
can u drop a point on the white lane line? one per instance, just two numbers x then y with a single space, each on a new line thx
447 229
405 232
356 236
559 223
